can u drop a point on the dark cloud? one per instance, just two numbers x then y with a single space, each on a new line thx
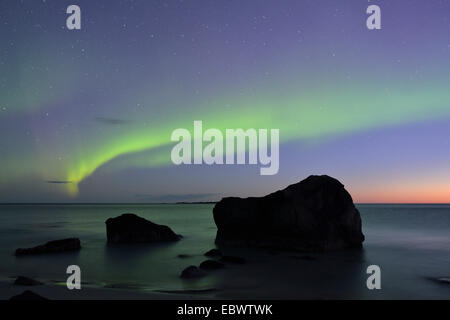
111 121
58 181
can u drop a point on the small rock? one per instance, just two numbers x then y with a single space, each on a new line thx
130 228
192 272
183 256
232 259
213 253
27 296
56 246
444 280
211 265
25 281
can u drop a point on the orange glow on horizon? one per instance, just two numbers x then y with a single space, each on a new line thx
404 194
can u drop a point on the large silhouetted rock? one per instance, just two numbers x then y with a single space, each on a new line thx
232 259
130 228
56 246
316 214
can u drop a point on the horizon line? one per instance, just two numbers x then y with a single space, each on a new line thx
199 202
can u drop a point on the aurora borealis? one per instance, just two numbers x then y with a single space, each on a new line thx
86 116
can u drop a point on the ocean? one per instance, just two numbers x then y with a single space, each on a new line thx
410 243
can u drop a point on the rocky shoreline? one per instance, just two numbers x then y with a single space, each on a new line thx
314 215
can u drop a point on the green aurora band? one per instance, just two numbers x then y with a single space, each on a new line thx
303 116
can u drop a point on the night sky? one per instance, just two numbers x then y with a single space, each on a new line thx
86 115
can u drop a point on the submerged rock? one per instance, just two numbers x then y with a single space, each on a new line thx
27 296
213 253
444 280
56 246
192 272
25 281
441 280
316 214
130 228
211 265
